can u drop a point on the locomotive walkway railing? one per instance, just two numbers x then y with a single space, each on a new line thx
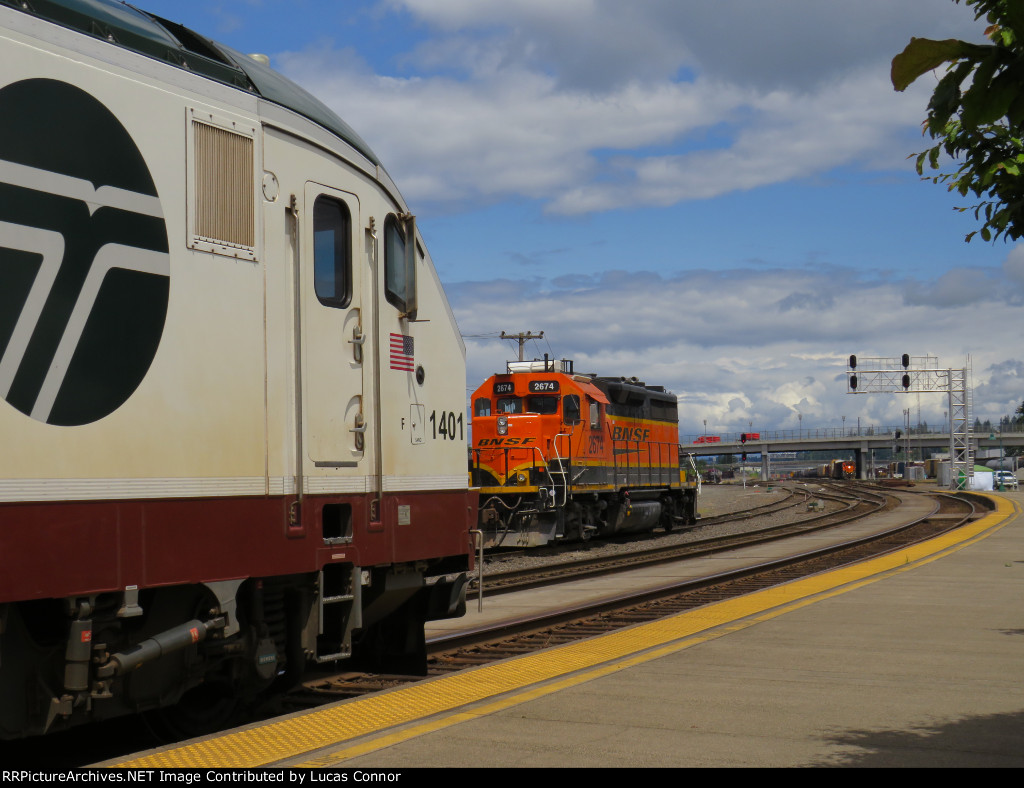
503 468
659 471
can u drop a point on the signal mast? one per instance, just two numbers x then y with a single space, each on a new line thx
922 374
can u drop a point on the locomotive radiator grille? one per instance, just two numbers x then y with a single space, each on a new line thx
224 192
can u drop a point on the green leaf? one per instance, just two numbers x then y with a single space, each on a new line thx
1015 115
924 54
975 100
946 100
987 102
920 162
1014 13
976 117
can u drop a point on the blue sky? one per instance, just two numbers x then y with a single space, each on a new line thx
711 196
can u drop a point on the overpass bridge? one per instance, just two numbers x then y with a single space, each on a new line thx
861 443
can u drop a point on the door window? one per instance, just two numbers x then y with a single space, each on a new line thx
332 266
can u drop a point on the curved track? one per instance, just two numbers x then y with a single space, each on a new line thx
848 504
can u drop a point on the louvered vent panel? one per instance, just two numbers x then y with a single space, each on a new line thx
224 186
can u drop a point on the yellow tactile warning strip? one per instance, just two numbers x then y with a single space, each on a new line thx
534 675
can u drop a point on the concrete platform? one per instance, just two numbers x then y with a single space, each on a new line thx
923 668
913 660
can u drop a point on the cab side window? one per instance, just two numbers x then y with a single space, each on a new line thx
571 409
399 263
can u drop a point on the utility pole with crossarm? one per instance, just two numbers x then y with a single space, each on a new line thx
522 338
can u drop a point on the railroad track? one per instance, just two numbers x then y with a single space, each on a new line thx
853 503
792 498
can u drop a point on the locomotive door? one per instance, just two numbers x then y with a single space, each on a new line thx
333 329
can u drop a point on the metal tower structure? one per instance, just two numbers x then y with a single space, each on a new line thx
961 460
921 374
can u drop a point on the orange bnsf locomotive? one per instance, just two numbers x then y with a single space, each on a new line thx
841 469
833 469
564 456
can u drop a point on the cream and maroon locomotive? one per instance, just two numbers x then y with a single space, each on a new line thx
221 342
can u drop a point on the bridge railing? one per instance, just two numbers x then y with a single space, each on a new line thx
810 433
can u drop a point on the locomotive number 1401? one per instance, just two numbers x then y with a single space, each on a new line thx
443 425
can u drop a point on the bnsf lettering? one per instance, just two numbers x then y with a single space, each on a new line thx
630 434
505 441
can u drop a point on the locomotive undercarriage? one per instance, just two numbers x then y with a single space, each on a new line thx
192 657
537 519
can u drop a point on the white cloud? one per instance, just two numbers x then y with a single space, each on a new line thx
1013 266
599 43
513 134
1002 382
785 135
958 287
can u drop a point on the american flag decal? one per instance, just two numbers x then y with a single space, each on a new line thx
401 352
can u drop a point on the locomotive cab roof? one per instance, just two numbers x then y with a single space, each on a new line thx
629 397
128 27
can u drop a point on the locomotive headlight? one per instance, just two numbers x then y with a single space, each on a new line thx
522 478
503 425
